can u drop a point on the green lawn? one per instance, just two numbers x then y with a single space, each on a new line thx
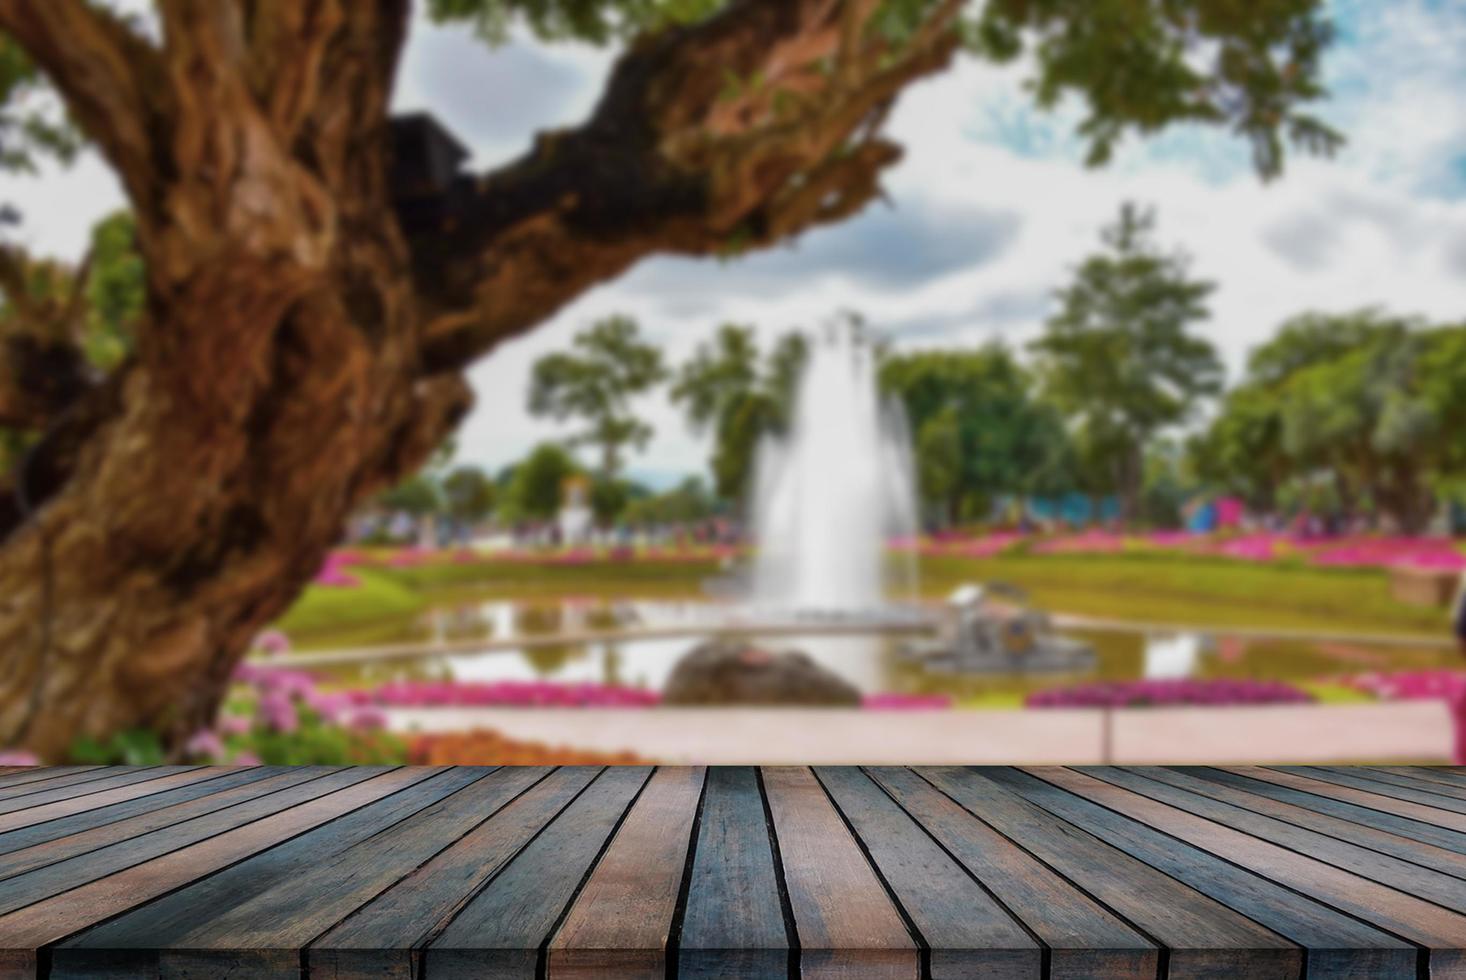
1156 588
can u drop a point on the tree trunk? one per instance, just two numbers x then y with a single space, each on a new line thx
306 332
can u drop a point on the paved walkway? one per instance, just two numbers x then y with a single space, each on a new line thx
1414 730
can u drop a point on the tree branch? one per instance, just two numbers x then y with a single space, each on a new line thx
106 73
710 139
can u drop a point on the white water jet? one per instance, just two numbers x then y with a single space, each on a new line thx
830 495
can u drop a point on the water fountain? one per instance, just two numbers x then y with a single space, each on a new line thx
831 493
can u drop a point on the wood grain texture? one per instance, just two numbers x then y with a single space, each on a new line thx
620 922
500 931
847 924
1429 925
966 932
1084 938
734 923
1204 936
941 872
384 938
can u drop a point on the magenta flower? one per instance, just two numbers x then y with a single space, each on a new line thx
234 725
245 759
18 757
204 744
272 642
277 710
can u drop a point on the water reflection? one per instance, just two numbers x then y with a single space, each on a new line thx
869 662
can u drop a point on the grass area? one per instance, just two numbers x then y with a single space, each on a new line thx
1203 591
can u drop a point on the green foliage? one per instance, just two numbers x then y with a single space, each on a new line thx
1143 65
608 366
1118 357
315 741
688 502
978 431
32 129
469 494
116 290
1354 412
594 21
418 495
536 488
729 387
135 747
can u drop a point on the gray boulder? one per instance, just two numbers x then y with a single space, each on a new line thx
723 672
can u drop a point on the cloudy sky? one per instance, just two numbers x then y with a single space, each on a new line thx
988 212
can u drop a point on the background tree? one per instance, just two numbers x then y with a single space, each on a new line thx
728 387
1364 402
535 492
317 283
1118 357
688 502
470 495
610 365
977 430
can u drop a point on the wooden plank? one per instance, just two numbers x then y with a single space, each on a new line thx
1319 803
1384 787
846 923
1084 938
143 799
24 931
94 796
1402 875
22 810
500 931
965 931
1204 937
1441 930
382 938
30 774
733 924
1433 816
1434 788
1405 848
622 918
1445 775
265 909
37 846
1336 944
56 877
45 780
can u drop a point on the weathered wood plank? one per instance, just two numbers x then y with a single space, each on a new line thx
1401 875
965 931
265 909
1433 788
1441 930
34 774
53 919
211 781
56 841
94 796
621 919
500 931
383 938
1386 803
733 925
1445 775
1413 829
1205 938
48 780
1405 848
56 877
1084 938
847 924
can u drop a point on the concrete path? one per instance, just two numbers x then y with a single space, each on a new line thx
1404 730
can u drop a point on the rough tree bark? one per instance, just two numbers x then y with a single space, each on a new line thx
303 347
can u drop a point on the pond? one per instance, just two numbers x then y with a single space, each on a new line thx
872 663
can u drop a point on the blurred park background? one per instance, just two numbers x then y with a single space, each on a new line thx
1146 385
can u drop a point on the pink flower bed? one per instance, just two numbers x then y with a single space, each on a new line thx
333 573
1432 553
1447 685
1091 542
499 694
1136 694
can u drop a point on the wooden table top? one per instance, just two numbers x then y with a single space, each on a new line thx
939 872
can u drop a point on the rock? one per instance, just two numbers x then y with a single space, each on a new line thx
726 672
